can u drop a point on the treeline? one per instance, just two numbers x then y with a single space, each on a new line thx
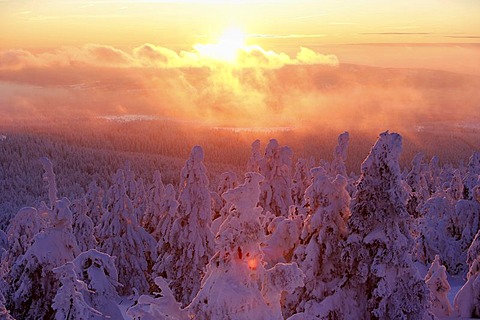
92 149
291 239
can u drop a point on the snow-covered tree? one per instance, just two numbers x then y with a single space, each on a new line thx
95 198
283 237
69 303
437 283
190 239
140 200
120 235
433 179
228 180
301 180
153 213
83 227
97 270
436 230
276 166
236 285
32 283
161 307
456 188
324 231
467 223
168 214
474 250
253 164
417 180
472 177
467 300
340 156
380 275
21 231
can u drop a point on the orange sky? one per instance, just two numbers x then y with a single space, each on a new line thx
272 23
281 60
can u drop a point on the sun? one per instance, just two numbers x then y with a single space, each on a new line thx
227 47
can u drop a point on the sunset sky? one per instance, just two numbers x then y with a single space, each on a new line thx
240 61
47 23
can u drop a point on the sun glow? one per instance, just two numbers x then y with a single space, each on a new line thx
227 47
252 263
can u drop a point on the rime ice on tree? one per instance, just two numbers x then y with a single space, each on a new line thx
97 270
69 302
162 307
94 199
435 233
153 213
319 255
228 180
169 213
381 277
340 156
236 284
301 180
83 226
276 166
33 284
121 236
436 280
23 227
472 177
417 180
190 238
253 164
467 299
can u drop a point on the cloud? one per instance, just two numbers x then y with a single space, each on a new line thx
463 37
285 36
151 56
395 33
263 88
308 56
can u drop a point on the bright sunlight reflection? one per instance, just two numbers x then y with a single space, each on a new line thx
226 49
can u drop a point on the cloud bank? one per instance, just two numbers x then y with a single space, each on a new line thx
261 88
152 56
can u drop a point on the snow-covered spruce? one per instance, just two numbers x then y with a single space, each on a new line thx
380 277
162 306
467 300
236 285
435 233
190 239
472 178
97 270
324 231
417 181
69 302
120 235
83 227
168 213
437 283
228 180
153 213
20 233
301 180
32 282
95 198
276 167
340 156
